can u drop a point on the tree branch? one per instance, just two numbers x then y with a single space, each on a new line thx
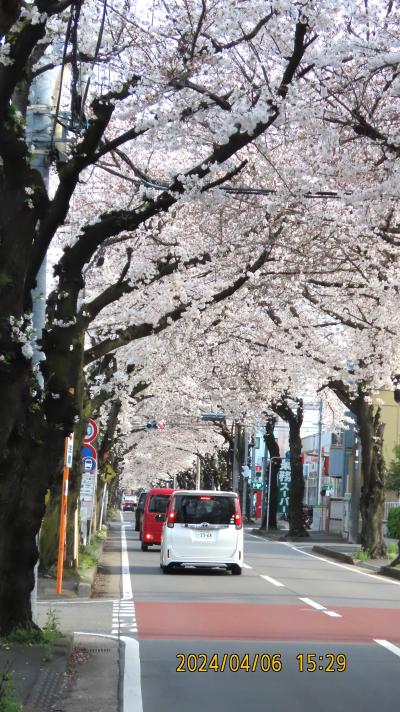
139 331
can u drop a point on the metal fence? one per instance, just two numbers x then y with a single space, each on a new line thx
389 505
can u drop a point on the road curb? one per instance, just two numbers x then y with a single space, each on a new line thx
388 571
85 585
391 572
332 554
64 644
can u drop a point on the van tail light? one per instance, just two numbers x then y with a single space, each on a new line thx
238 515
171 519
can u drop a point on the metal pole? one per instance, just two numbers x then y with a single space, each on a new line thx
235 466
244 495
198 473
244 489
354 536
269 489
63 521
319 470
102 505
264 480
253 474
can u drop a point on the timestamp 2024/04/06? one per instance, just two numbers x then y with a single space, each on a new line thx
266 662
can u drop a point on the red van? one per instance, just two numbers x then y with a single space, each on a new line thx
155 507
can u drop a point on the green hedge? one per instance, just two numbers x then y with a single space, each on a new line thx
393 523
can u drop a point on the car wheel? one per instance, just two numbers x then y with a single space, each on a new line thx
145 547
236 570
166 569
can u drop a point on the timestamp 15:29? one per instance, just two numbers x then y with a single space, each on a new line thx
329 662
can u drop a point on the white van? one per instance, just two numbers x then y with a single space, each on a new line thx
203 528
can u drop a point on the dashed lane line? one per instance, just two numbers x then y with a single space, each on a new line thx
319 607
313 604
272 580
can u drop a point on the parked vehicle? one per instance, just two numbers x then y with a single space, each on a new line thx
139 510
203 528
155 507
128 503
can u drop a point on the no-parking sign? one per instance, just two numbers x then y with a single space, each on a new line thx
92 431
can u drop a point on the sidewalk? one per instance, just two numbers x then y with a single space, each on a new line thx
335 547
82 673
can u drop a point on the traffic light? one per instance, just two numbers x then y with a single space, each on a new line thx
154 424
151 424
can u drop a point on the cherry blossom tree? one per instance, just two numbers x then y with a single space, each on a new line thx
278 122
146 89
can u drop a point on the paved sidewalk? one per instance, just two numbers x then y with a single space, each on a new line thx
83 673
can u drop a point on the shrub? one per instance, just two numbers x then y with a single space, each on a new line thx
8 695
393 523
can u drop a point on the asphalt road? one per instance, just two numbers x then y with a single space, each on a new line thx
294 631
287 603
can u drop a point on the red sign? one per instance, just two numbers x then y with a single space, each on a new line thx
91 431
258 468
88 451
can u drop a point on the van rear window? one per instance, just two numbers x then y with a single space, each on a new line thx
197 509
159 503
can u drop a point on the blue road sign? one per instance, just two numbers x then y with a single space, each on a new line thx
89 464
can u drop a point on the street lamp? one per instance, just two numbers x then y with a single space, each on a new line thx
276 457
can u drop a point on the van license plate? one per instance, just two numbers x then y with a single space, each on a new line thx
205 535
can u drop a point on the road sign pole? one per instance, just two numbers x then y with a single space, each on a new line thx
63 514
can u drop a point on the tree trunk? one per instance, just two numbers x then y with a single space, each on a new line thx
294 417
296 518
273 449
370 430
27 469
372 498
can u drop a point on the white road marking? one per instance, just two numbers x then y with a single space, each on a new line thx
332 614
273 581
313 604
123 613
132 690
126 574
72 601
246 566
389 646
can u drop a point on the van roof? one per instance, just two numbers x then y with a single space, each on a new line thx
161 490
213 493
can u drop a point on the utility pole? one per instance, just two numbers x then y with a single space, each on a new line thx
264 479
354 535
319 466
198 473
39 124
244 489
236 463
